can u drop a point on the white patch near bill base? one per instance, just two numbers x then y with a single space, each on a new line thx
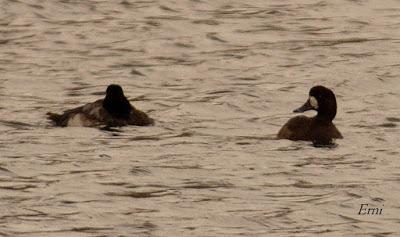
75 121
313 102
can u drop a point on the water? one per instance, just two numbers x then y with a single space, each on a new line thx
220 78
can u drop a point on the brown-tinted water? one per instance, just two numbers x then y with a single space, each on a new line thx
220 78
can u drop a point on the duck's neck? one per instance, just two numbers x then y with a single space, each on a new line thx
119 107
327 115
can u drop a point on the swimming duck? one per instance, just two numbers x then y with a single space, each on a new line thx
319 129
112 111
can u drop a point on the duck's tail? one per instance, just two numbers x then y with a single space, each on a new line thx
55 118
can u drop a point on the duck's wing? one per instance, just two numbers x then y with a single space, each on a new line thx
86 115
62 119
297 128
95 111
140 118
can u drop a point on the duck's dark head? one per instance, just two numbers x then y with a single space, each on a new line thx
322 100
116 103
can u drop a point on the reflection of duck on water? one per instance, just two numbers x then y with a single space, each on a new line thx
113 110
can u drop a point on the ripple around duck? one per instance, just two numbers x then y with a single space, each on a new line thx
16 124
206 185
148 194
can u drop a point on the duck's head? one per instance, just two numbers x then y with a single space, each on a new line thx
115 101
114 91
322 100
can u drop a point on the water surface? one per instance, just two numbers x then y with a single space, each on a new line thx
220 78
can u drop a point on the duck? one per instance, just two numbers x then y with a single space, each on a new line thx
318 129
114 110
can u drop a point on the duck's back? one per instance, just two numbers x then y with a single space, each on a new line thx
94 114
91 114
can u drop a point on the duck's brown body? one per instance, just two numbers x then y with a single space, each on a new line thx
94 114
309 129
318 129
115 110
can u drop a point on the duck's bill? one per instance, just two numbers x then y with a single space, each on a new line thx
305 107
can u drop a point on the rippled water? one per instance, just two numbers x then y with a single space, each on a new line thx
220 78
